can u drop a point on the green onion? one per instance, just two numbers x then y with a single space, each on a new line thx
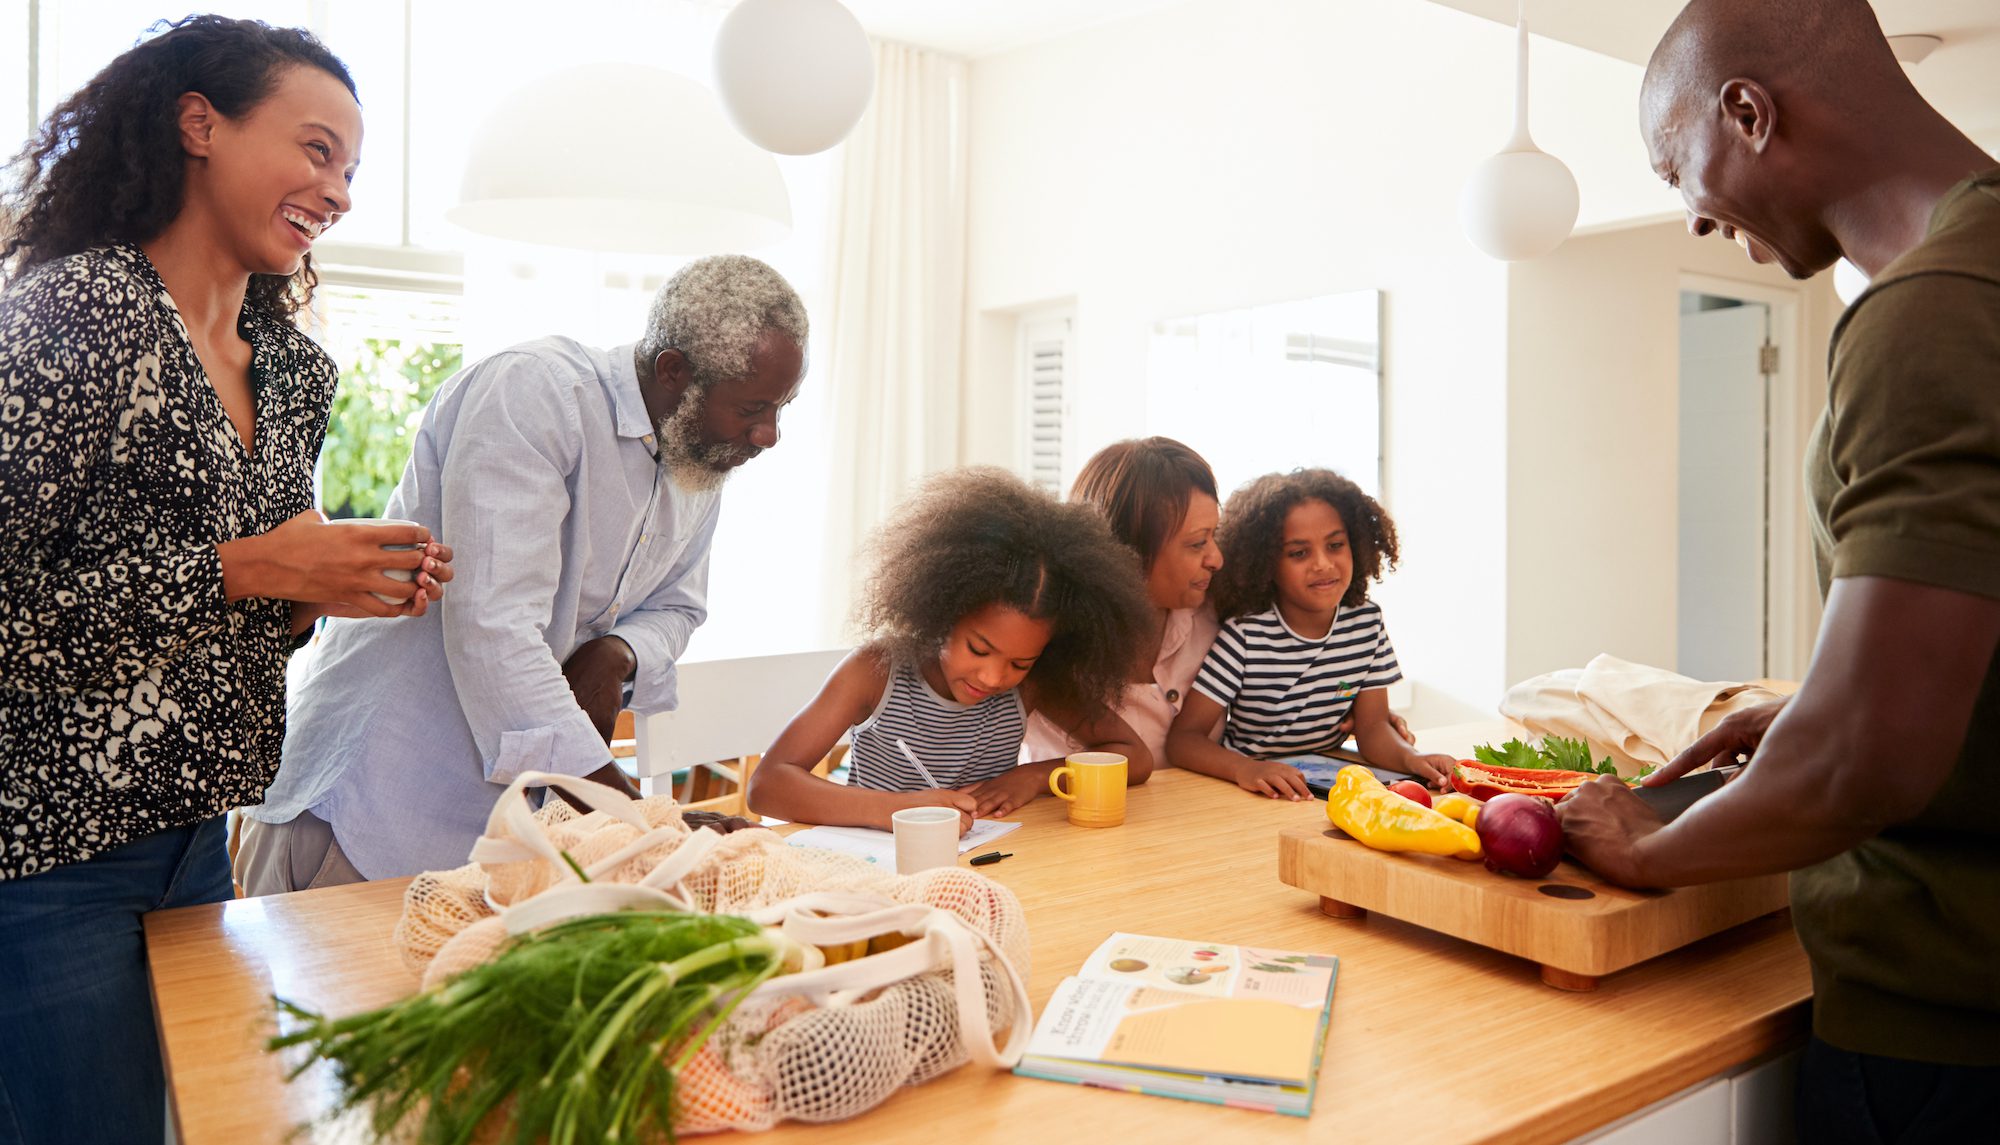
564 1036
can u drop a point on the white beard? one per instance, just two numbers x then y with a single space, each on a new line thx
695 466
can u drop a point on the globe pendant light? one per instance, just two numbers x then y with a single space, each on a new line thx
1522 202
794 75
623 158
1849 280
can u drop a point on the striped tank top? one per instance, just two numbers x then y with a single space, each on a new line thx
959 744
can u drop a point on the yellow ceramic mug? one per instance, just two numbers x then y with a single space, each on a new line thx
1096 794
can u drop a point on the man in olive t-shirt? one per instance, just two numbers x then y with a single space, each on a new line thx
1789 127
1904 475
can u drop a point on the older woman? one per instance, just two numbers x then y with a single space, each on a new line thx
1160 498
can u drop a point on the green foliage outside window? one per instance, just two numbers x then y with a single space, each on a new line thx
376 411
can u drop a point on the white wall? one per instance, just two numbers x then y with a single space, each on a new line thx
1593 405
1222 154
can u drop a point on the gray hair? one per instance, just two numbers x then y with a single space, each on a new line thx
714 310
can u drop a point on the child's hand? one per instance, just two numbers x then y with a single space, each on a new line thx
964 803
1397 724
1434 769
1272 778
1403 729
1003 794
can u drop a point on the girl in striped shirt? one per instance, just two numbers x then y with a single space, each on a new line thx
1302 648
989 600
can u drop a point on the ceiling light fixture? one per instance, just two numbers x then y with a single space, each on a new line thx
1915 49
794 75
1849 280
622 158
1522 202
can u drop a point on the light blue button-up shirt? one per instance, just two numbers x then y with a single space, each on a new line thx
538 466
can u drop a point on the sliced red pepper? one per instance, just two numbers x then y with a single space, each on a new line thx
1484 781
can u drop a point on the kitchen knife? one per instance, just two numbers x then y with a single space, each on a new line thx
1669 800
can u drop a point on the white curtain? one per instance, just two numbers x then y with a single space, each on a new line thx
897 315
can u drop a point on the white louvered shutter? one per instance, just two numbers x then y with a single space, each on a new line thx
1046 355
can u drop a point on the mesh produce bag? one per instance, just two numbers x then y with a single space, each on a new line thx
910 976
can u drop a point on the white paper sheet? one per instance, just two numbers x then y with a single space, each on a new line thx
880 846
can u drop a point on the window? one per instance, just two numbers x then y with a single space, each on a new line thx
1274 388
394 348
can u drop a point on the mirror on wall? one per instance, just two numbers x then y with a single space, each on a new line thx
1274 387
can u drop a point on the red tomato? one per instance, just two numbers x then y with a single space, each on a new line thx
1412 790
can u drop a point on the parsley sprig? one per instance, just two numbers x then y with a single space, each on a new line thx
1556 754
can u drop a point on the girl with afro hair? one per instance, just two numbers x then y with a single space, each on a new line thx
1302 648
989 600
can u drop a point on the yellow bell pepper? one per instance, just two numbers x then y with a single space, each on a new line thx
1452 805
1361 806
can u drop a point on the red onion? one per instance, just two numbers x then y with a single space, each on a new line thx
1520 835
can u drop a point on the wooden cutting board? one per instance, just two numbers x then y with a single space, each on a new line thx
1575 925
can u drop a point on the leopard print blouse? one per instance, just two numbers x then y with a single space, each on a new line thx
133 696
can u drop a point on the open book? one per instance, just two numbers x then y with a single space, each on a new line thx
1206 1021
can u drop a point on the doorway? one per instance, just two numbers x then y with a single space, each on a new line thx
1728 359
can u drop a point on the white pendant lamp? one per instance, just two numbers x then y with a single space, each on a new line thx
794 75
620 158
1522 202
1849 280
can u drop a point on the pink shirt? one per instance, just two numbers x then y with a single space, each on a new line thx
1150 708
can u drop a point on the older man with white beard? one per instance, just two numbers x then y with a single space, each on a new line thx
580 490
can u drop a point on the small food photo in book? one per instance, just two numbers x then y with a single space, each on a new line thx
1212 969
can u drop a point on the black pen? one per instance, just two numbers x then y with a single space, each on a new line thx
989 858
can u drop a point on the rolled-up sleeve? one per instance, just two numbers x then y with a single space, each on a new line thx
504 497
659 629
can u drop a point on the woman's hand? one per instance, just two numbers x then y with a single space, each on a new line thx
1272 778
339 566
436 572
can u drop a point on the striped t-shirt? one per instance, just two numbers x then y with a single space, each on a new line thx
1286 694
959 744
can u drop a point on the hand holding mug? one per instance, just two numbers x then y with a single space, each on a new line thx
347 566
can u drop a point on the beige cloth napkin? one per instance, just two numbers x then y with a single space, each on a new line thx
1633 713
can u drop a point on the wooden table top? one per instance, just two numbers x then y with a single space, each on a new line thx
1433 1039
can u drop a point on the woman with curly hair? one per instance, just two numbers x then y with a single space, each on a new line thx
160 416
989 601
1301 647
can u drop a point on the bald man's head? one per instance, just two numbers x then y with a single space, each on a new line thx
1829 50
1753 109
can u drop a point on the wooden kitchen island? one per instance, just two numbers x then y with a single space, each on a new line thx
1433 1039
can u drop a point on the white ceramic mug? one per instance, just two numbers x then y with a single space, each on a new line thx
393 574
926 837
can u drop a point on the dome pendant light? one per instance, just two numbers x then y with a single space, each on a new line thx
554 163
1520 203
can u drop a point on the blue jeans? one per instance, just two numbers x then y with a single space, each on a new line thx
79 1057
1858 1099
